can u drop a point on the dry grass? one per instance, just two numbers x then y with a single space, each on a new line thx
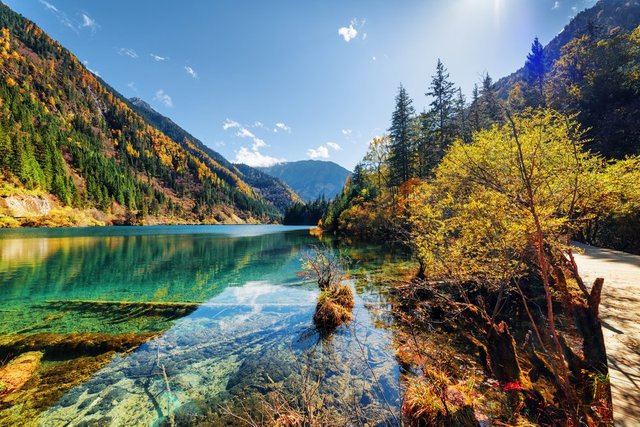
433 401
334 308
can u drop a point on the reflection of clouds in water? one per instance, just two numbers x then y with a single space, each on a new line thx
251 291
255 295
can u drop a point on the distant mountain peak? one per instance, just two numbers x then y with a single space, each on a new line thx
311 179
139 102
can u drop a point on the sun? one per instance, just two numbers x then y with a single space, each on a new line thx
497 9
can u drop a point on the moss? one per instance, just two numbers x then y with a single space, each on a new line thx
70 345
50 382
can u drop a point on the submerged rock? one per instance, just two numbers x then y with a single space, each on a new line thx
18 371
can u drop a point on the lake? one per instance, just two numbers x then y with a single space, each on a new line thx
224 316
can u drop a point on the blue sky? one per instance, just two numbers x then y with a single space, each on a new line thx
265 81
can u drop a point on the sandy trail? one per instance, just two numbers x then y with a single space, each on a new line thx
620 313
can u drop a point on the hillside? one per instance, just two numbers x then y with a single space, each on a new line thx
271 189
600 19
589 69
70 141
311 179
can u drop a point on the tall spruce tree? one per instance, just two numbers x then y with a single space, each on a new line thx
535 74
402 139
462 128
474 110
442 105
491 111
426 157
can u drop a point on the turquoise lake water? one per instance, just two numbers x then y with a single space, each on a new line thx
246 334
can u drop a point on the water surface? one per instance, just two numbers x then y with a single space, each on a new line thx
234 325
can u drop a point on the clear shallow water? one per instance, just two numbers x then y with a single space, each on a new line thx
250 331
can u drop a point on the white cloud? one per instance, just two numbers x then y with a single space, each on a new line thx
132 86
255 158
556 5
88 22
250 155
220 144
258 143
243 132
321 152
191 71
60 15
364 36
49 6
346 132
158 58
229 124
374 58
348 33
281 126
165 99
124 51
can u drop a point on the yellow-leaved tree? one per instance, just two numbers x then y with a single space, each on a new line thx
499 213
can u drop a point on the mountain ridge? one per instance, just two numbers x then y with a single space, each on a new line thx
271 189
311 179
67 134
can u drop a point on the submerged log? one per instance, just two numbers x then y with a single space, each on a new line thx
129 309
67 346
18 371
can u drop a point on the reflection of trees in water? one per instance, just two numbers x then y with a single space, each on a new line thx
142 268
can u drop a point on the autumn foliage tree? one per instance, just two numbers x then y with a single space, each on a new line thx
500 213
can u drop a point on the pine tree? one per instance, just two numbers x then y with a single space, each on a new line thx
491 112
461 117
442 92
402 139
427 157
535 73
474 109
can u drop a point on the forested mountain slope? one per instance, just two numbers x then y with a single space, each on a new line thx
67 137
589 69
272 189
311 179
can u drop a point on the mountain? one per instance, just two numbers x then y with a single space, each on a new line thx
271 189
311 179
73 147
592 69
604 16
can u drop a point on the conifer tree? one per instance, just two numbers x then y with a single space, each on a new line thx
442 92
535 73
489 105
474 110
402 139
462 129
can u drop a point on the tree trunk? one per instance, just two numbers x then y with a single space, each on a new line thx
501 350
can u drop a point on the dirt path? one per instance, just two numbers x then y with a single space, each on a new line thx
620 313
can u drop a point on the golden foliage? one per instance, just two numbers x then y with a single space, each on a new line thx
475 220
